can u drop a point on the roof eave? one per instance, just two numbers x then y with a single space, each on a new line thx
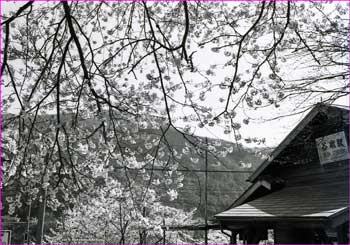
314 111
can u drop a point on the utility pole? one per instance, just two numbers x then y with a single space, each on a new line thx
28 221
164 231
44 210
206 193
41 221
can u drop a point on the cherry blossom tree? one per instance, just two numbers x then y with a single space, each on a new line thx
73 59
112 212
88 85
113 180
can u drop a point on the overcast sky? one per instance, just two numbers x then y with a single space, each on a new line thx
274 131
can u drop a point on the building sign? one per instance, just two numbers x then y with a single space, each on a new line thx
332 148
5 237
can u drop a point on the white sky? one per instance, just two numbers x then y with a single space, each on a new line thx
274 131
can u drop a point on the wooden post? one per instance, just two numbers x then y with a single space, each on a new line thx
233 237
206 193
164 231
41 221
28 221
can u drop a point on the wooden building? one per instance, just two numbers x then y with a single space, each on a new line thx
301 191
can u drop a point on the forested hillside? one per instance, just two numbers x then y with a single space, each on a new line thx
228 170
224 185
175 159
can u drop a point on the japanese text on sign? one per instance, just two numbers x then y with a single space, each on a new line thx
332 148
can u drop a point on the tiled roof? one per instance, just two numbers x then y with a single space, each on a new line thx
322 201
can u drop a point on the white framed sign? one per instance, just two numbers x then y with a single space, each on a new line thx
332 148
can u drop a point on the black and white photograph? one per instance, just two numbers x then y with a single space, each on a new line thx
175 122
